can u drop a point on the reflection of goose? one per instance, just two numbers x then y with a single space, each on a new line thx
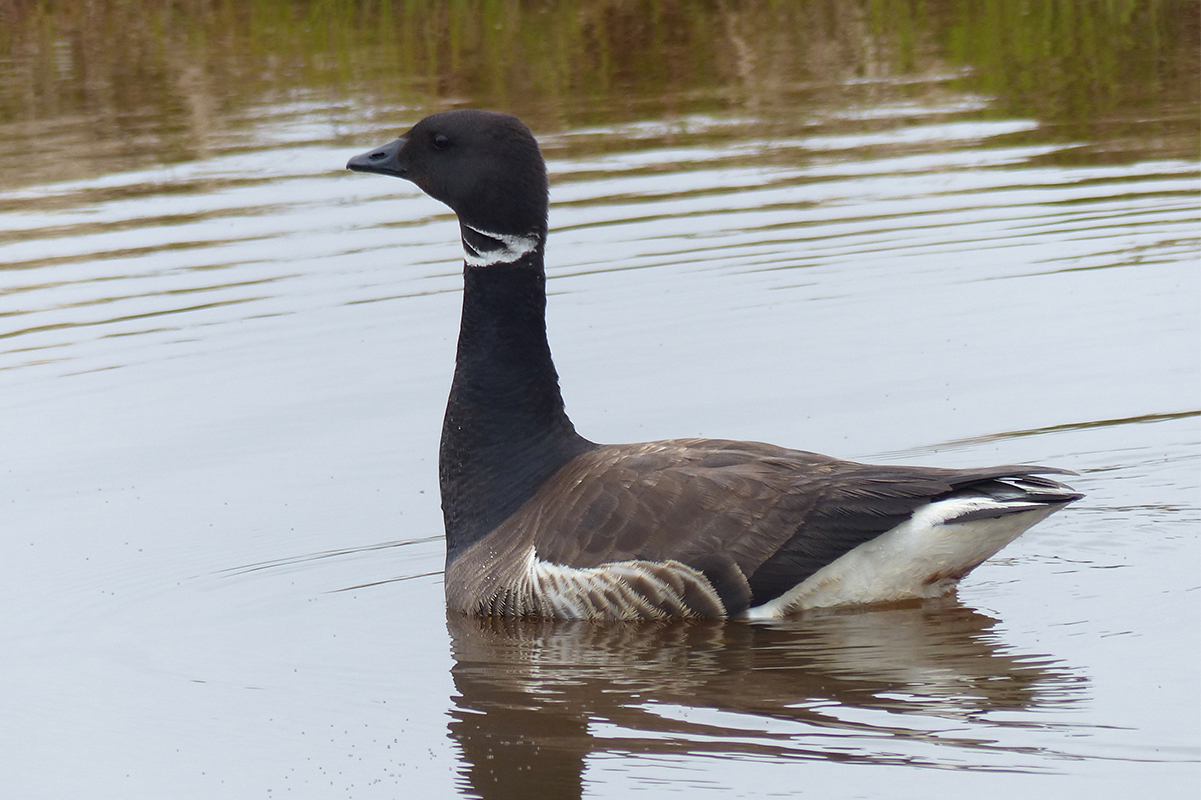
542 522
537 697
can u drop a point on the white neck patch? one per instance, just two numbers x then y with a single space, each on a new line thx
509 248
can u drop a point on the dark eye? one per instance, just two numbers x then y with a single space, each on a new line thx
441 142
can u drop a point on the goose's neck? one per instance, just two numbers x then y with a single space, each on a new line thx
505 431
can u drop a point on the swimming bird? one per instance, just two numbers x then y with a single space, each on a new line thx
543 522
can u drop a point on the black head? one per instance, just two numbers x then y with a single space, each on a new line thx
484 165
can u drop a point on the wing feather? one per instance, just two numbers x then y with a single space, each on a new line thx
754 518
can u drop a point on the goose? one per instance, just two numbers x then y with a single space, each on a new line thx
542 522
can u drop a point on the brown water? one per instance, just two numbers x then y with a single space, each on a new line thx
929 233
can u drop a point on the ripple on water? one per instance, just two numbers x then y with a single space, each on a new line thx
223 382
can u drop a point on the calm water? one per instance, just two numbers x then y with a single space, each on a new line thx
223 362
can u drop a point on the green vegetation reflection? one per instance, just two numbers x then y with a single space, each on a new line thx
162 76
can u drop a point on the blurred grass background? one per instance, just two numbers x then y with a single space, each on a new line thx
159 77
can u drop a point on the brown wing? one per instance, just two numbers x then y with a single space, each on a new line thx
756 519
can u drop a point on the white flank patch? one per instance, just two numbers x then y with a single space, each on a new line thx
511 249
607 591
922 557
